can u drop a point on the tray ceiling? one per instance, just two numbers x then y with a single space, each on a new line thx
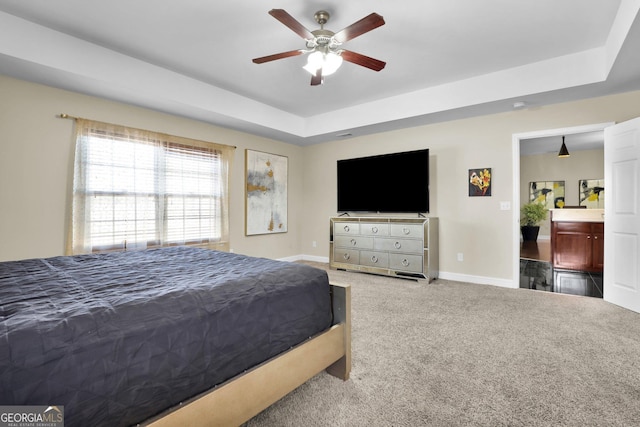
445 60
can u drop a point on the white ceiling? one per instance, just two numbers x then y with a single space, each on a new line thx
445 59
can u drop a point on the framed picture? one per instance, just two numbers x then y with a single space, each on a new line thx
480 182
549 193
266 193
591 193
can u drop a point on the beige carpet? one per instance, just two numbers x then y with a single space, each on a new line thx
450 353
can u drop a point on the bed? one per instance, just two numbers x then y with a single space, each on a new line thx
165 337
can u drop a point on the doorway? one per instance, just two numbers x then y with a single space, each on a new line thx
532 263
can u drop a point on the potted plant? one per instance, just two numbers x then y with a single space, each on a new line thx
531 215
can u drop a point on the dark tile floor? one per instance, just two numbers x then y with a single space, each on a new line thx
541 276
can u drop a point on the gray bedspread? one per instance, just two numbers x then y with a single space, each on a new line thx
117 338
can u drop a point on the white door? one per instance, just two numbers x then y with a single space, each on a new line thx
622 214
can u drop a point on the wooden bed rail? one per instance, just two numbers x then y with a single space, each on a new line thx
341 303
247 394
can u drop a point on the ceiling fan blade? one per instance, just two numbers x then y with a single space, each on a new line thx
363 60
288 20
275 56
317 79
364 25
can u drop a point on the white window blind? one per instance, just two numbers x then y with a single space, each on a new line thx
135 189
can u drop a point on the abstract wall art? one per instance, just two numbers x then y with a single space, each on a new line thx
479 182
549 193
591 193
266 193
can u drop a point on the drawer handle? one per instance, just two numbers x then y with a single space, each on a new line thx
353 242
346 256
374 230
346 228
405 262
397 245
374 259
406 231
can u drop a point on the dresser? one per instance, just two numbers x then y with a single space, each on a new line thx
391 246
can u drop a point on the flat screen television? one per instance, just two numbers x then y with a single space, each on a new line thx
393 183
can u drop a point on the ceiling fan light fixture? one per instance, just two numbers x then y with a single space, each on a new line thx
314 61
329 63
332 62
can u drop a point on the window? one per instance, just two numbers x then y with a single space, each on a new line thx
136 189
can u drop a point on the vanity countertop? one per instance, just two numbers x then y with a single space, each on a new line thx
577 215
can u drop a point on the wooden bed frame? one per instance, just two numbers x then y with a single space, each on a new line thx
246 395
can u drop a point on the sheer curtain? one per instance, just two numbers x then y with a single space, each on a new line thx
135 189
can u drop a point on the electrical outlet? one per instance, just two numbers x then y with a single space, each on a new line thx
505 206
314 244
460 256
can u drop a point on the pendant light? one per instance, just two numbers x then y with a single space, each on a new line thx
563 150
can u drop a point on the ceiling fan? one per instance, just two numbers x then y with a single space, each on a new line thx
324 46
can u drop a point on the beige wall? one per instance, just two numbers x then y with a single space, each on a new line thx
473 226
588 164
35 168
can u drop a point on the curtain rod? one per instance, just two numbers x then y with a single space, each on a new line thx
66 116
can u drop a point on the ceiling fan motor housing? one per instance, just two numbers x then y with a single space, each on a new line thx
321 17
323 39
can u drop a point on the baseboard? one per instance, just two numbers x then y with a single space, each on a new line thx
480 280
291 258
312 258
322 259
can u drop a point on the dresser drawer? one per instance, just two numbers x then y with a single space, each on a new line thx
414 231
403 262
346 256
348 228
398 245
374 259
353 242
374 229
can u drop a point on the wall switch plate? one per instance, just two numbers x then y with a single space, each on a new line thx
505 206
